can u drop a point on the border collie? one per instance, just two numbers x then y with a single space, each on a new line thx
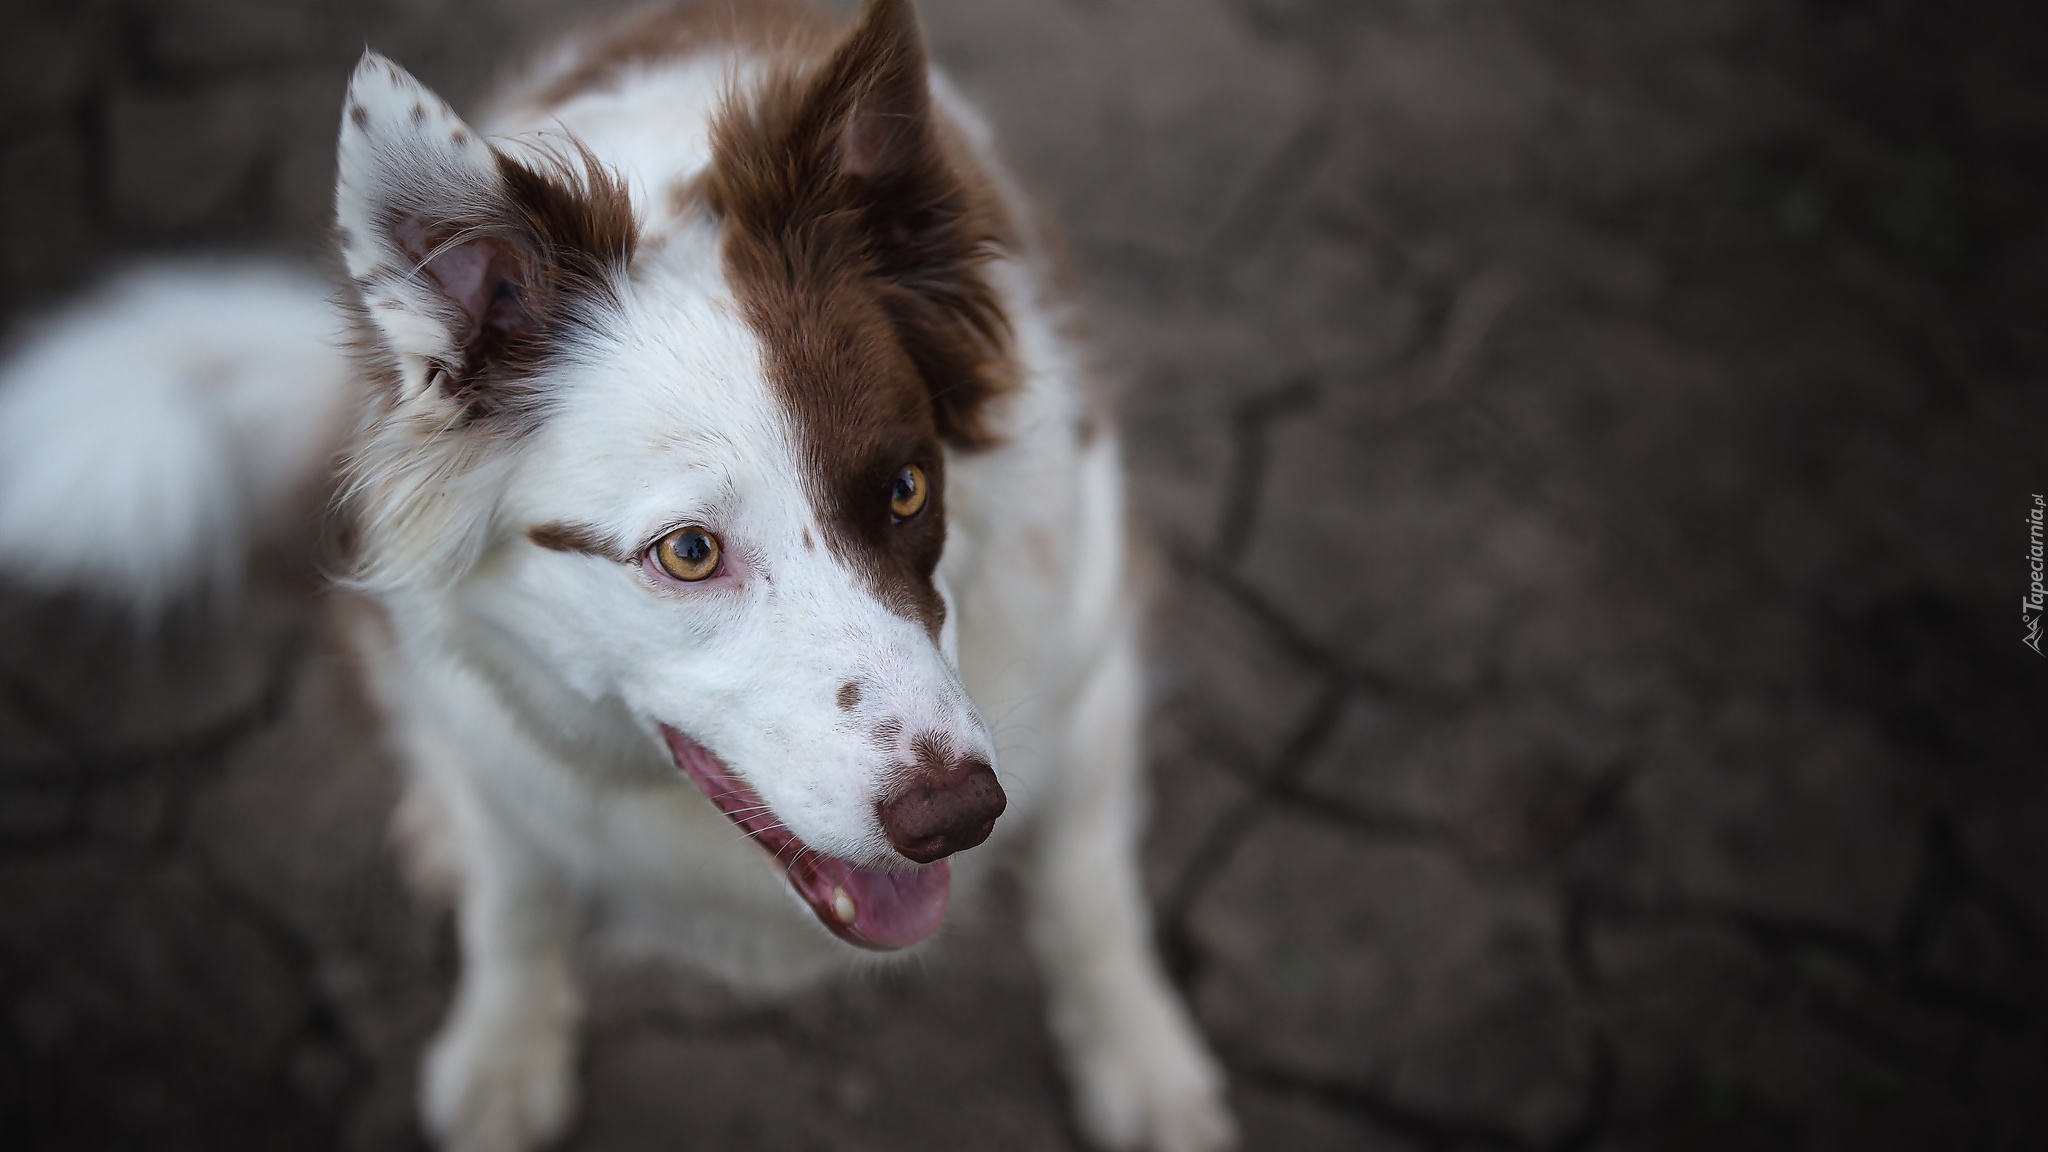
740 537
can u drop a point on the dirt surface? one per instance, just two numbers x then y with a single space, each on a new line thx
1588 446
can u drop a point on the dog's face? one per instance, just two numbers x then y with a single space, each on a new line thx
695 461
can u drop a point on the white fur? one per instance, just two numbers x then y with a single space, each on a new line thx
525 686
149 434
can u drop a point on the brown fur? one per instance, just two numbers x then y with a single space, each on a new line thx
557 237
855 238
561 536
561 235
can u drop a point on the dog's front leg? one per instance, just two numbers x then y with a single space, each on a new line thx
1141 1074
500 1076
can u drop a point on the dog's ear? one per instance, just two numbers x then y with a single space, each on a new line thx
930 228
847 163
873 100
470 263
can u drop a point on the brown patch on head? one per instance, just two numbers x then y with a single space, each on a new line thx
848 696
522 272
584 539
854 235
360 115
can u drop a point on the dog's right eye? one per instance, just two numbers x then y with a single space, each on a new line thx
907 494
688 554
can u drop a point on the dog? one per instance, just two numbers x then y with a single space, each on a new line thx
741 534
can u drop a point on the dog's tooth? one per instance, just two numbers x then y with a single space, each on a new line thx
842 906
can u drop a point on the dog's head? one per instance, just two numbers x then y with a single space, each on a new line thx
684 447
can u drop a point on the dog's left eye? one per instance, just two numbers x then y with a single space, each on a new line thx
907 494
688 554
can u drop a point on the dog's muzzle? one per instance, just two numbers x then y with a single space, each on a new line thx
934 815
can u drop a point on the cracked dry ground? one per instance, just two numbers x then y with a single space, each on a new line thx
1586 445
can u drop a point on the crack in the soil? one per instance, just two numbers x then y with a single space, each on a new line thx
100 765
1257 213
1783 938
1294 640
85 771
1244 482
1219 844
324 1024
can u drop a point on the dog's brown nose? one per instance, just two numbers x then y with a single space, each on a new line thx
943 809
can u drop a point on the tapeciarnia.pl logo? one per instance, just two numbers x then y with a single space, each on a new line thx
2032 603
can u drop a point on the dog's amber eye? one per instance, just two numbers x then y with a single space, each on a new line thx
907 495
687 554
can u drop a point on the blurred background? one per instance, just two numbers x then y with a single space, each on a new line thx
1588 446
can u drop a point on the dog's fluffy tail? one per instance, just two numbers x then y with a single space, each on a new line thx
150 434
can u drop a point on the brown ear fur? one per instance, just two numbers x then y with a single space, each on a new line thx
842 170
517 278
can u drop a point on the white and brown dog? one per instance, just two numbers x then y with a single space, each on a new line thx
724 457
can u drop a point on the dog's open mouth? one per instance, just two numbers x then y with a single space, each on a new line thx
872 907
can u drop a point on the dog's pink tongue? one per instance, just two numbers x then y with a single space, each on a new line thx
866 906
870 907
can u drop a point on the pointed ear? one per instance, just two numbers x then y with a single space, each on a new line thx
878 89
930 220
469 264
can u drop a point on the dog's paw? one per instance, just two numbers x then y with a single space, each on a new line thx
1151 1085
504 1088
